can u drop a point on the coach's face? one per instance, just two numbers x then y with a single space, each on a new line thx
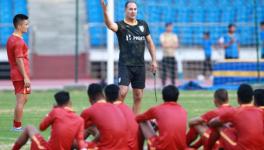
23 26
131 11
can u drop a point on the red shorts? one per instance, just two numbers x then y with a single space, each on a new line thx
91 146
205 139
20 87
153 143
39 143
228 138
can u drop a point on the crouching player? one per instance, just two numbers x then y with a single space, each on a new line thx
247 120
198 125
171 119
108 119
112 94
66 126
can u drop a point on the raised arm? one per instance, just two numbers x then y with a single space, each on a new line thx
109 23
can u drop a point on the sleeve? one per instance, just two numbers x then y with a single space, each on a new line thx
227 116
149 114
47 121
18 50
147 32
79 137
209 115
118 27
86 115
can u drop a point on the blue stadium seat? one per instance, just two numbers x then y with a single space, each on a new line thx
20 7
6 13
227 15
212 15
183 15
5 32
198 15
97 37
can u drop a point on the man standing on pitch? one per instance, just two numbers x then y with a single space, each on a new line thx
17 52
132 35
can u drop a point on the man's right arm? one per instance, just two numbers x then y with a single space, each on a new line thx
110 24
47 121
145 116
21 67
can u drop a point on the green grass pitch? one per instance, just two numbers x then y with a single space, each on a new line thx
41 102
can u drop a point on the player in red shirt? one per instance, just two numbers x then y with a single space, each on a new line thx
108 119
17 52
66 126
198 125
247 121
259 98
171 119
111 94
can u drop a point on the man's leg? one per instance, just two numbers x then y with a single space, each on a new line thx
21 100
122 92
172 70
137 96
163 72
148 133
28 133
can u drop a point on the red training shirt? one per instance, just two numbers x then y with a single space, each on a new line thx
65 127
172 120
17 48
110 122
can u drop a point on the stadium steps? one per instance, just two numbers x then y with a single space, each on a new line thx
53 22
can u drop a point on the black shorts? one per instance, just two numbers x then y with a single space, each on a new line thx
134 74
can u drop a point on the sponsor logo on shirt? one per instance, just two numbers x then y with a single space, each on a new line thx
134 38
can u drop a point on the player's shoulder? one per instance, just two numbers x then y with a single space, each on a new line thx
120 22
140 21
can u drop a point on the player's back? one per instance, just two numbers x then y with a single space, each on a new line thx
65 126
111 124
172 120
248 121
132 126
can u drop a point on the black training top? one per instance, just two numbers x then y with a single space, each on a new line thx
131 40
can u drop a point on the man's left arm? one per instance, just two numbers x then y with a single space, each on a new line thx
152 51
47 121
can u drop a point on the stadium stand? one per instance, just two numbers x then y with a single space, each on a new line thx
8 8
194 15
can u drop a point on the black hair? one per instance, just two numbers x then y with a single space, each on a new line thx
168 24
221 95
207 33
62 98
231 25
95 91
262 23
170 93
111 92
259 97
18 18
130 1
245 93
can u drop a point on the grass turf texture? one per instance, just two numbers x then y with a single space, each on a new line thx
41 102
